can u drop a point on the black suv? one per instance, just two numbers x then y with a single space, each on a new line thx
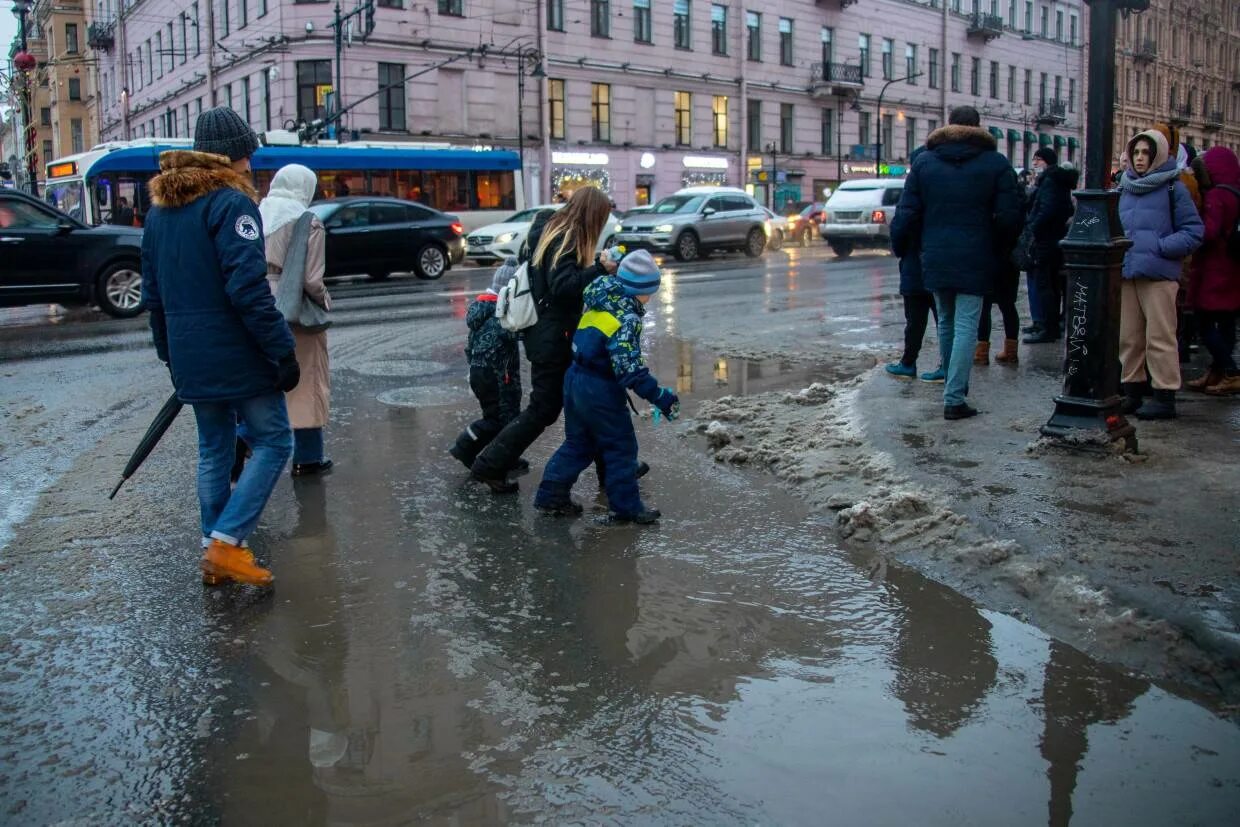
51 257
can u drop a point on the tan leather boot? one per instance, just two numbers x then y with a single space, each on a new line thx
1210 377
222 562
1008 355
981 353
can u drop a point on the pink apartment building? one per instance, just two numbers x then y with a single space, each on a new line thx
640 97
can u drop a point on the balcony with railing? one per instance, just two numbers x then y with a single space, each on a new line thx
1214 119
835 79
985 26
1181 114
839 4
1052 111
1146 52
101 36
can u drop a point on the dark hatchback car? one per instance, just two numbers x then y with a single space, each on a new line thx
380 236
49 256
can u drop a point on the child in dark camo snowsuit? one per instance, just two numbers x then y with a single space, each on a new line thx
494 371
607 364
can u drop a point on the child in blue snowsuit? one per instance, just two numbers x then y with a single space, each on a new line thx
607 364
494 371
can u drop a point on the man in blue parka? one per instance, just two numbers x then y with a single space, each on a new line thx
216 327
961 202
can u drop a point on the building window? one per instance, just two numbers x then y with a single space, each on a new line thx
71 38
719 110
1011 84
159 48
1028 87
1029 16
150 63
184 37
555 15
910 64
225 24
75 89
1072 30
452 8
754 116
889 135
392 96
172 49
641 21
828 132
262 8
683 102
555 91
753 43
955 71
785 41
863 48
786 121
314 81
1072 93
827 36
863 130
600 18
682 26
1046 21
934 68
245 99
975 76
1059 26
910 137
888 59
718 29
1058 87
45 116
47 151
600 111
1042 90
266 76
197 32
243 11
994 79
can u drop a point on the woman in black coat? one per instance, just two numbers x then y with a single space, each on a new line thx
561 264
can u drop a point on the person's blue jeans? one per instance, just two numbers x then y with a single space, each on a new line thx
1035 297
958 317
231 513
307 445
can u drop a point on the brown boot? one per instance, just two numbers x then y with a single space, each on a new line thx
1008 355
981 353
222 562
1211 377
1228 386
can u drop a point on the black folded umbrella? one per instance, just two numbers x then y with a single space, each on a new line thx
153 434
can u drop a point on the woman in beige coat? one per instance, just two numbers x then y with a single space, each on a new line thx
291 191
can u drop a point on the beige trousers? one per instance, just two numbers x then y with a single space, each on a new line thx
1147 333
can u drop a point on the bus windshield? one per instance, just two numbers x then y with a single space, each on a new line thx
66 196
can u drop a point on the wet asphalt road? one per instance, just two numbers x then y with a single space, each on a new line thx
433 654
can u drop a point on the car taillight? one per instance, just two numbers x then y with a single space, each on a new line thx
458 228
878 217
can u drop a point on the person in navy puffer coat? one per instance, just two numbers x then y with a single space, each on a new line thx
215 325
961 201
607 364
1160 219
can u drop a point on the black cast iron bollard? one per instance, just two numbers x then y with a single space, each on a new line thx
1087 413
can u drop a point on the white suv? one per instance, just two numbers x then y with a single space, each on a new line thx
859 213
697 220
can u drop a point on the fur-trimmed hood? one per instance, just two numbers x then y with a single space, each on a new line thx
956 134
187 176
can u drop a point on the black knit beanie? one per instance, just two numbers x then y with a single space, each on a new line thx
222 132
1048 155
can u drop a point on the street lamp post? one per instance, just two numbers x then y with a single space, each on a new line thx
1087 415
772 148
878 159
524 54
24 63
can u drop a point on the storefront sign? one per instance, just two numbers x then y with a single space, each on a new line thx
704 162
647 160
581 159
871 169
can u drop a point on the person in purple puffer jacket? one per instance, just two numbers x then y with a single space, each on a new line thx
1160 219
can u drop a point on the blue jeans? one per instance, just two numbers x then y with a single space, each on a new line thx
958 317
307 445
231 514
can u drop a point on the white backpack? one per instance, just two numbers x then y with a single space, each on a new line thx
515 306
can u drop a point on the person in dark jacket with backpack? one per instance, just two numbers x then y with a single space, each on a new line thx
1159 217
494 370
216 327
1048 222
1215 288
961 200
561 265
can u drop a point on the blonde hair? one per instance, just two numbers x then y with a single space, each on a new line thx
575 228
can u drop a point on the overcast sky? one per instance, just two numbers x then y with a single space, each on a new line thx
8 29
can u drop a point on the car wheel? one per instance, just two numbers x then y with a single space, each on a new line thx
755 243
378 275
687 248
431 262
119 291
777 240
841 248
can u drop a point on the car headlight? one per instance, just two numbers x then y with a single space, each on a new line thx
663 228
504 238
